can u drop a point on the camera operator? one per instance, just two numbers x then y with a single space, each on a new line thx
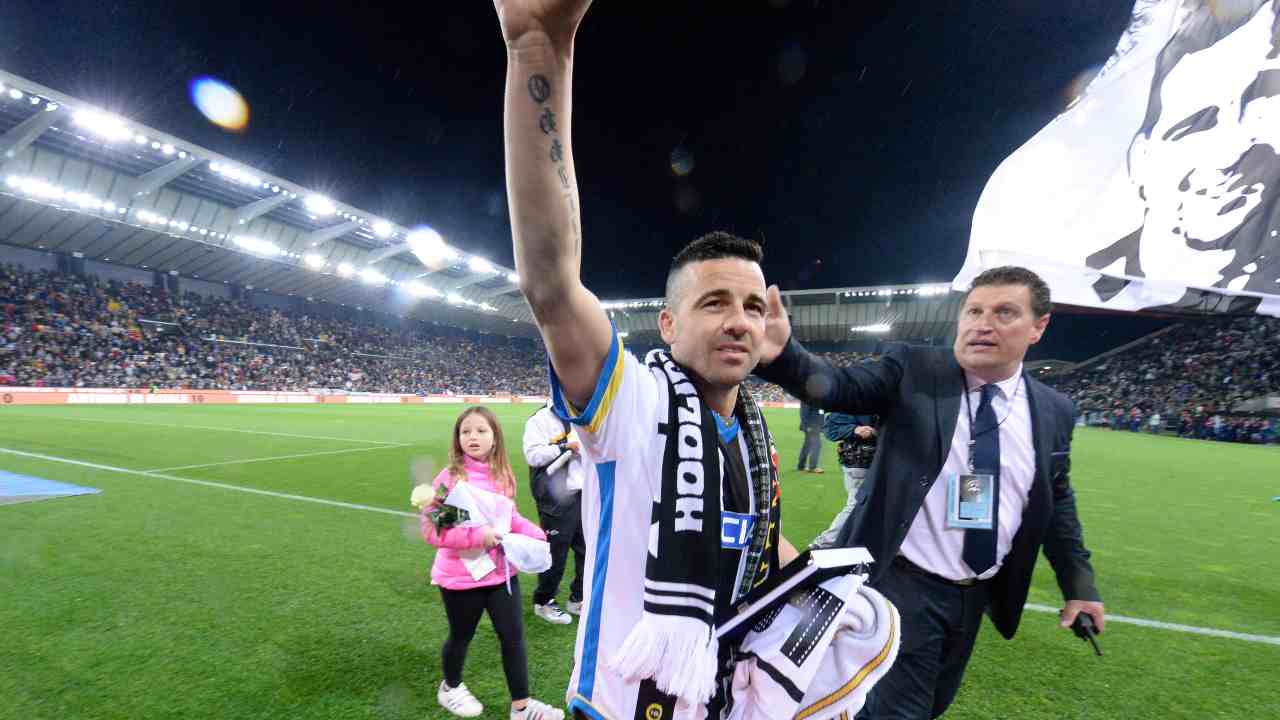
855 438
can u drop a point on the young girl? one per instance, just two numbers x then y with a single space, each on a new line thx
479 456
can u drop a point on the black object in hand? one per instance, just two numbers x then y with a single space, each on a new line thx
1084 629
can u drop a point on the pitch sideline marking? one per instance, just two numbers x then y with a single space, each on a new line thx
1191 629
207 483
275 457
1156 624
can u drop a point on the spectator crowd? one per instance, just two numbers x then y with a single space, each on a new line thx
63 330
1188 380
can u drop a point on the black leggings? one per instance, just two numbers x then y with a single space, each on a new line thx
464 608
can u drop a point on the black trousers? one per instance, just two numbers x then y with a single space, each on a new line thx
939 624
464 608
564 533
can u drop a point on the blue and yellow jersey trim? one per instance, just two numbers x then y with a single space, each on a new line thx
592 418
582 707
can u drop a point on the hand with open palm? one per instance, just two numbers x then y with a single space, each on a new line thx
777 327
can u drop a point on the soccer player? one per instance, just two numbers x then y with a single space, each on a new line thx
682 516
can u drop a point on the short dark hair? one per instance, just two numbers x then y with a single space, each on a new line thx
1014 275
713 246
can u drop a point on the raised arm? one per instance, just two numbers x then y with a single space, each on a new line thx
542 188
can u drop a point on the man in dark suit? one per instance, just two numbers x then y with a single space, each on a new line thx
811 451
956 426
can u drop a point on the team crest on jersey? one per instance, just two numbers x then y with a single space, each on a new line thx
735 529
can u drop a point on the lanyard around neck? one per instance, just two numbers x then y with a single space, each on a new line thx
968 404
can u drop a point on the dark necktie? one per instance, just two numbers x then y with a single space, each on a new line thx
980 545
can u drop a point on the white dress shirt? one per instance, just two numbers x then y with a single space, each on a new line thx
929 543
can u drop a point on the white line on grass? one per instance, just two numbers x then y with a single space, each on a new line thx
275 457
208 427
206 483
1192 629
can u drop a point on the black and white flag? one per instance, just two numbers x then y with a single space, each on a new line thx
1159 187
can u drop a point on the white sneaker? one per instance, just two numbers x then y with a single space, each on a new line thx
537 710
459 700
552 613
573 608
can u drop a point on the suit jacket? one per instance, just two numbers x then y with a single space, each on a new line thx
917 392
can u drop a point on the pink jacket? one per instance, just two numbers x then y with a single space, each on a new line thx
448 570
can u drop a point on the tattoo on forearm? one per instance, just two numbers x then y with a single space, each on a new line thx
540 91
539 88
547 121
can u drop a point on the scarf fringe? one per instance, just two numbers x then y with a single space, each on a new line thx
677 652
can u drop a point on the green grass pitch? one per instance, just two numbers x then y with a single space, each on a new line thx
163 599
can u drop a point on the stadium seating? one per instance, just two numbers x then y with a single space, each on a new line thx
1191 376
67 331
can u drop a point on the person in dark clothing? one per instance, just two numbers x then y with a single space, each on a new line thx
811 452
970 481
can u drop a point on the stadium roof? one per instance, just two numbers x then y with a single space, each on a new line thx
79 180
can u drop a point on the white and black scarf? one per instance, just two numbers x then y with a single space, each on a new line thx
674 642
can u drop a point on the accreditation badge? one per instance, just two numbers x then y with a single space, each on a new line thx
971 501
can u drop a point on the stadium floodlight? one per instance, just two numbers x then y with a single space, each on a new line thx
314 261
480 265
15 93
454 298
319 205
513 278
167 149
372 277
429 247
257 246
108 127
381 228
140 139
876 328
346 269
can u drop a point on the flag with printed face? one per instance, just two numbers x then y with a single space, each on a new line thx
1159 186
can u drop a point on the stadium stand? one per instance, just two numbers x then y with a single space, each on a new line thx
68 331
65 330
1193 376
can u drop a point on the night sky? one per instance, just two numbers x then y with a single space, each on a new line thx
853 137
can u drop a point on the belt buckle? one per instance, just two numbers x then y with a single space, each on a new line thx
967 582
